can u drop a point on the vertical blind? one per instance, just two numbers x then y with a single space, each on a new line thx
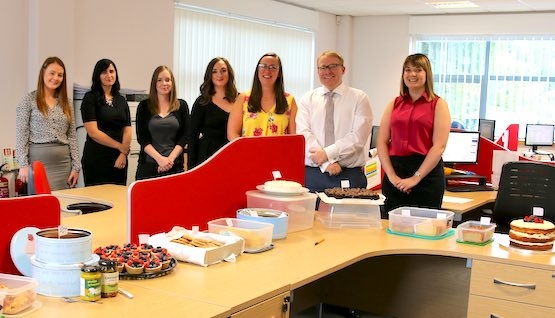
200 36
507 78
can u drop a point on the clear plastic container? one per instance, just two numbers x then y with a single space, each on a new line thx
257 235
343 220
475 232
349 213
300 208
18 293
420 221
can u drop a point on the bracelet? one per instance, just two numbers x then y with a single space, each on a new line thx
418 174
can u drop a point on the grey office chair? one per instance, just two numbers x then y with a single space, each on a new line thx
522 186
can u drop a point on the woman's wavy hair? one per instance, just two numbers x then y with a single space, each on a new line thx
207 89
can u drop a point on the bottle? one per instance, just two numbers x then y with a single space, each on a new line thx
110 278
90 283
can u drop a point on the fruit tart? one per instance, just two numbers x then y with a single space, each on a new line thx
165 259
158 250
135 266
153 266
120 264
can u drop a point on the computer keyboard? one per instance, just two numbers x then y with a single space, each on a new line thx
469 188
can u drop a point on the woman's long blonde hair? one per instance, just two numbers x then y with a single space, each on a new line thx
153 104
60 93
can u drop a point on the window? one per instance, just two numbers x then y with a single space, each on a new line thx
507 78
202 35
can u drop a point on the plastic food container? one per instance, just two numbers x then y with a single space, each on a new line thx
475 232
279 219
257 235
349 220
349 213
420 221
300 208
18 293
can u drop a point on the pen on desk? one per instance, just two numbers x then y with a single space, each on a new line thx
320 241
125 293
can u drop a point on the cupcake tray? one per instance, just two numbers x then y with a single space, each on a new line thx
164 272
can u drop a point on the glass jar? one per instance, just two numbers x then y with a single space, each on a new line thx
90 283
110 278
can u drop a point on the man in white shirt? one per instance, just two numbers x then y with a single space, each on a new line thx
337 143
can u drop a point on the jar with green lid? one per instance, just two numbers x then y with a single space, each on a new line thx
110 278
90 283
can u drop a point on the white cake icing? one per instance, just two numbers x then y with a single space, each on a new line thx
282 186
546 225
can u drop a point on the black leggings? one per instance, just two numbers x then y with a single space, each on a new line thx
428 193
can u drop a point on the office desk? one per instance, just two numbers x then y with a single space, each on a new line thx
313 272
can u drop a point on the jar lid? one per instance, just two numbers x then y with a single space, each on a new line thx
90 269
106 263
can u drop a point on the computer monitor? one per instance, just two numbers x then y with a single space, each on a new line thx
486 127
374 138
539 135
462 147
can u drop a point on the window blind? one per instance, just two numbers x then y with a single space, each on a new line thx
200 36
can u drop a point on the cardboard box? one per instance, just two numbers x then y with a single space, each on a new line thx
232 248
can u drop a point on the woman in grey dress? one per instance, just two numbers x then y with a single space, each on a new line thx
45 129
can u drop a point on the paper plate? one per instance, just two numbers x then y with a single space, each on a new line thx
21 260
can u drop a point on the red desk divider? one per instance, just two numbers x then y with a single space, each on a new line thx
511 135
214 189
484 167
40 211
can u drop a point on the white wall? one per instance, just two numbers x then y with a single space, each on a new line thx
13 63
380 45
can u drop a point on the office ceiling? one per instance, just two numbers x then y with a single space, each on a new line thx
419 7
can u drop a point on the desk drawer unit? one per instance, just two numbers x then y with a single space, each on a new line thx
485 307
513 283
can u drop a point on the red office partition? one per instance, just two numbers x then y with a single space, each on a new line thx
509 138
214 189
40 211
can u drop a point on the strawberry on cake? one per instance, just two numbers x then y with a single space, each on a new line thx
532 233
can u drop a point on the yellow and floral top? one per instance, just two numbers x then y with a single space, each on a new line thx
266 123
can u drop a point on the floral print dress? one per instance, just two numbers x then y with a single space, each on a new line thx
266 123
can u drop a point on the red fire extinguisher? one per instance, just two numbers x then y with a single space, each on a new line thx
4 188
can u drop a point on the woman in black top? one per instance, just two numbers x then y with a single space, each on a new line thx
107 121
162 122
210 111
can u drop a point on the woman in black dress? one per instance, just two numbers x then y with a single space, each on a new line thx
107 120
162 122
210 111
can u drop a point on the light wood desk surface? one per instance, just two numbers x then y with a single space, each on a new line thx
225 288
477 200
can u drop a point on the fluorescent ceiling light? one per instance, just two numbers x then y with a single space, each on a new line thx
452 4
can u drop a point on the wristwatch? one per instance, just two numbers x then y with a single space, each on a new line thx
418 174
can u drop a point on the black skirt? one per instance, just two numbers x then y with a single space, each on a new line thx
428 193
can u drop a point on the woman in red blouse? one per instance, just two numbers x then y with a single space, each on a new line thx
413 134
